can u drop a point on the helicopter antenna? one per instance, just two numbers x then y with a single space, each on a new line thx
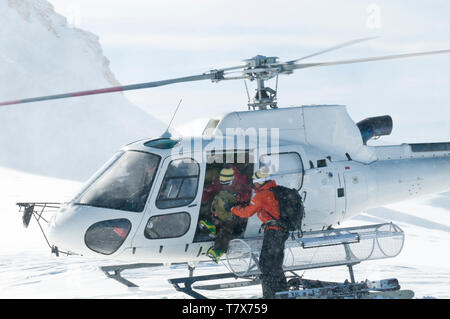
276 86
167 134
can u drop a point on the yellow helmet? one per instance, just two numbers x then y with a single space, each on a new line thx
226 176
261 175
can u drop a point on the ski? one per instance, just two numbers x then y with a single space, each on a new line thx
388 288
229 285
398 294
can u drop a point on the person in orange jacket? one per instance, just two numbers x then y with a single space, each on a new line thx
265 205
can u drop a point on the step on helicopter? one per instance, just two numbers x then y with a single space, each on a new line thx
144 205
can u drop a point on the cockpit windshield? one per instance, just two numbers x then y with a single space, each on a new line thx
125 185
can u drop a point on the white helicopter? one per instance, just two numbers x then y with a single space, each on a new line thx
144 205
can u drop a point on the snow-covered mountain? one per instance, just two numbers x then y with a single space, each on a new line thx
41 55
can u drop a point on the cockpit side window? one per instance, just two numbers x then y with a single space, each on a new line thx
125 185
180 184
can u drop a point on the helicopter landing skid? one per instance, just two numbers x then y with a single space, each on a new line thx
114 272
183 284
299 286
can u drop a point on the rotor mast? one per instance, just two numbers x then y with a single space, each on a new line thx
257 69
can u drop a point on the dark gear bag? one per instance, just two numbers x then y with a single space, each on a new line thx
291 208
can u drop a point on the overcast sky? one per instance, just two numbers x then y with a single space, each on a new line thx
154 40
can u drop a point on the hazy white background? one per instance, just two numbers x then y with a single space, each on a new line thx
152 40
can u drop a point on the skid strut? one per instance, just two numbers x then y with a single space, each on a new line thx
184 284
114 272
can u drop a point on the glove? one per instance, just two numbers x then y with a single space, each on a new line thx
228 206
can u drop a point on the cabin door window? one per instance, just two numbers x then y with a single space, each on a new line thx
179 187
286 168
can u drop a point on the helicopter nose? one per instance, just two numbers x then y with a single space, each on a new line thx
63 232
87 230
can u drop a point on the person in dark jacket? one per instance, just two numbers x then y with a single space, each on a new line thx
266 206
230 180
229 189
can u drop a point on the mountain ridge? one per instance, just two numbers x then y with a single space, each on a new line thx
40 54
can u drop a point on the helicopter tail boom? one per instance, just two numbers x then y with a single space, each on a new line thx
408 177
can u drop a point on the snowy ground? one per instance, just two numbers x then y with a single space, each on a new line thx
28 270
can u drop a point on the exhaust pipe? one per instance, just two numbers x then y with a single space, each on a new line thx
374 127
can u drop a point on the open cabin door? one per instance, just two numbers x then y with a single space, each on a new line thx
243 161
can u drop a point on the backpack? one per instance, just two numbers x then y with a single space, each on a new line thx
291 207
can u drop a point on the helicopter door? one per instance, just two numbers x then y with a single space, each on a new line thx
242 161
340 193
321 182
287 168
356 191
171 214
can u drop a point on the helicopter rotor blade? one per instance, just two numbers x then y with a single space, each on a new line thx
214 75
339 46
259 67
388 57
